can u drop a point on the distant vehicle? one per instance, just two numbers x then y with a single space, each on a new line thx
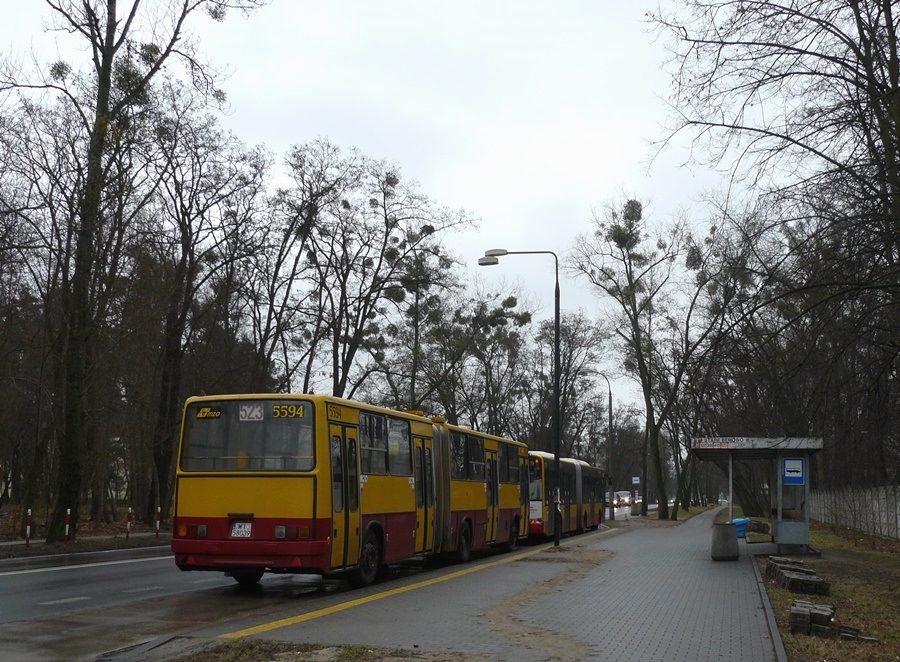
580 502
622 499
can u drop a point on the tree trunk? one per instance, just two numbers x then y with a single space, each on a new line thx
72 442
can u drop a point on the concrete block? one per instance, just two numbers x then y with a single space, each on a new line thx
724 543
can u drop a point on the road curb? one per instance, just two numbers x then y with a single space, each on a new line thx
780 653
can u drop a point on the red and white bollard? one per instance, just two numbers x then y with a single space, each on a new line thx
68 522
128 524
158 510
28 528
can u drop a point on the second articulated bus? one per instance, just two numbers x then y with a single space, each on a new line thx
581 495
318 484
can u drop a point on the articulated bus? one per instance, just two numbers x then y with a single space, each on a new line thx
581 495
322 485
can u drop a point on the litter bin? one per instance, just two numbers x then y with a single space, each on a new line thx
724 542
740 524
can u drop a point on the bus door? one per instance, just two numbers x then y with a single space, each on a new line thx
493 496
344 496
424 474
524 496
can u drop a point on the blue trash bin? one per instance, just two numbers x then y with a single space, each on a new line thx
740 523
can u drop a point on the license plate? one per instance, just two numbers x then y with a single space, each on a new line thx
241 529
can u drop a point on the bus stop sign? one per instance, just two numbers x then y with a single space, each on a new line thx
792 471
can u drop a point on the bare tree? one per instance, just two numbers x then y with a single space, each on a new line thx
802 93
127 51
658 284
286 315
359 251
210 194
800 100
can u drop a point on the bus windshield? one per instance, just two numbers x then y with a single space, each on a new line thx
248 435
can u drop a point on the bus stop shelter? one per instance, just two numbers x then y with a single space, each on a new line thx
789 477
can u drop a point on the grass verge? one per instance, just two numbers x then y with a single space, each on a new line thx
252 650
864 574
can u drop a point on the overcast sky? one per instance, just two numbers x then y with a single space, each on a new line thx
527 114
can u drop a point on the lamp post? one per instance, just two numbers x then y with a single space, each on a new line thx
491 258
609 441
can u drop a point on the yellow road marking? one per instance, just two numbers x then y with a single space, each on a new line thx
350 604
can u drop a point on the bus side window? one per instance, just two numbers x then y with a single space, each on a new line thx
373 443
352 476
420 479
503 462
429 484
337 475
399 454
457 455
475 458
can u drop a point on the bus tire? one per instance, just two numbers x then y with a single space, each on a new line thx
369 556
464 548
510 545
247 578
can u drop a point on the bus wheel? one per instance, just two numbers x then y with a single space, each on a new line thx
513 537
368 562
247 578
464 549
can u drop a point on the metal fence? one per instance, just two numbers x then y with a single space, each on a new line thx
875 510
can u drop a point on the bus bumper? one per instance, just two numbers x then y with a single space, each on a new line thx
305 557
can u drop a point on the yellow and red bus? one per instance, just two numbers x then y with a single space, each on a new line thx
582 488
318 484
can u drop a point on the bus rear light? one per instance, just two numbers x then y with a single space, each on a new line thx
192 531
291 532
201 530
182 530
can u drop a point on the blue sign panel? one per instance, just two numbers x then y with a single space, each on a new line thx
792 471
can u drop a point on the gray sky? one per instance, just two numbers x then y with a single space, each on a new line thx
525 113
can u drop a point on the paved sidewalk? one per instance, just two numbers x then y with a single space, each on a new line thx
659 597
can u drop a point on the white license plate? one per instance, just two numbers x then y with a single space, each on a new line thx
241 529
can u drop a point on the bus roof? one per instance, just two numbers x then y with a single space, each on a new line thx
458 428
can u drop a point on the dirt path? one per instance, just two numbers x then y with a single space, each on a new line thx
556 645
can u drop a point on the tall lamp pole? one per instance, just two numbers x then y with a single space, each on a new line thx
491 258
609 441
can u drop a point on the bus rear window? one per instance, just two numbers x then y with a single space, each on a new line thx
248 435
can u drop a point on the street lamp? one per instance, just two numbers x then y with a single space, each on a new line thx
490 259
612 509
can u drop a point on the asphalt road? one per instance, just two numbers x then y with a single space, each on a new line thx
64 608
107 601
81 606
